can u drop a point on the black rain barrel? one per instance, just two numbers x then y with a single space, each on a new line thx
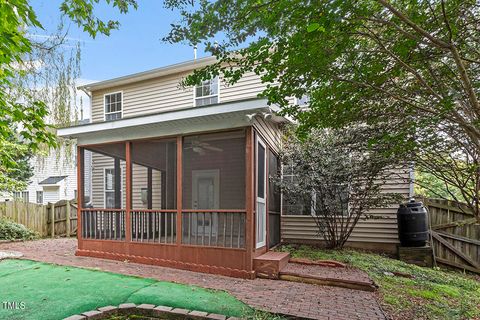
412 224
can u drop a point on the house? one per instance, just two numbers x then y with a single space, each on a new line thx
179 176
54 177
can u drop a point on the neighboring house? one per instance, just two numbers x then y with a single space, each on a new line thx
180 176
54 177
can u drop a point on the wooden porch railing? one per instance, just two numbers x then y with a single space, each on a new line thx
217 228
156 226
213 228
103 224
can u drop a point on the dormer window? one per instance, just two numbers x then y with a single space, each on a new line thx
207 92
113 106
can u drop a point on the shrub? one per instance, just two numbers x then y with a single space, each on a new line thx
10 230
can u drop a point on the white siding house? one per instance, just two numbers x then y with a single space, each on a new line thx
54 177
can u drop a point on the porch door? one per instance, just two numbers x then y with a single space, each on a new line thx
206 190
261 183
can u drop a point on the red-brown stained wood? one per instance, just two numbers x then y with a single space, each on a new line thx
236 262
249 202
128 226
80 188
225 261
179 188
270 264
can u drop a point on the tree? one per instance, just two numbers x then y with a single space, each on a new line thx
407 68
429 186
339 177
24 127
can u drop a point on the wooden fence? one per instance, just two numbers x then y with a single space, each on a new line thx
64 216
455 234
39 217
31 215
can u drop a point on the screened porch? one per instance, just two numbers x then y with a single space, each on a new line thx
183 190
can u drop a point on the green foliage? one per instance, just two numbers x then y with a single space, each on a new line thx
339 176
430 186
22 125
10 230
82 13
410 69
429 294
36 81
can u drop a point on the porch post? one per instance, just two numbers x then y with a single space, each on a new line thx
249 205
117 172
80 189
128 201
179 189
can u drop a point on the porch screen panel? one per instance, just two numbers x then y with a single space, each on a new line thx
104 197
214 189
273 199
153 216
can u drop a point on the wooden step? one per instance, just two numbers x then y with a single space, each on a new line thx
269 264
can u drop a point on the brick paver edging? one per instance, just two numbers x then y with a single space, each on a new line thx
148 310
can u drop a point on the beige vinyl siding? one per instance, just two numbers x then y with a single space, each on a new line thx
99 164
382 229
139 181
166 94
269 132
144 97
249 86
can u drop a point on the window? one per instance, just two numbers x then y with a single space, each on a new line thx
23 196
207 92
293 205
113 106
307 204
109 188
40 197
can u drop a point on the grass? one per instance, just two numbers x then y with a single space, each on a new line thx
54 292
430 294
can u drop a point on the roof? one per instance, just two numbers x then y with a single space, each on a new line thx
149 74
52 180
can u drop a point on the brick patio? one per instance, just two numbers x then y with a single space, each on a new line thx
290 298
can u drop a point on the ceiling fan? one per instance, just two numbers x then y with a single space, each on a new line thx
202 147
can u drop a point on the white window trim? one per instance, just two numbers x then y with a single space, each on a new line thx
104 106
105 184
264 229
36 196
209 96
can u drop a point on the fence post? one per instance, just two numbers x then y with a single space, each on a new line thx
68 218
52 218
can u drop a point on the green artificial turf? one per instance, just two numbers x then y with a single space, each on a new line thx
54 292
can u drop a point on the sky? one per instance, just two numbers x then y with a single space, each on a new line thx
135 47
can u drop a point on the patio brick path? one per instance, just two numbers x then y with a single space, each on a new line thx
290 298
